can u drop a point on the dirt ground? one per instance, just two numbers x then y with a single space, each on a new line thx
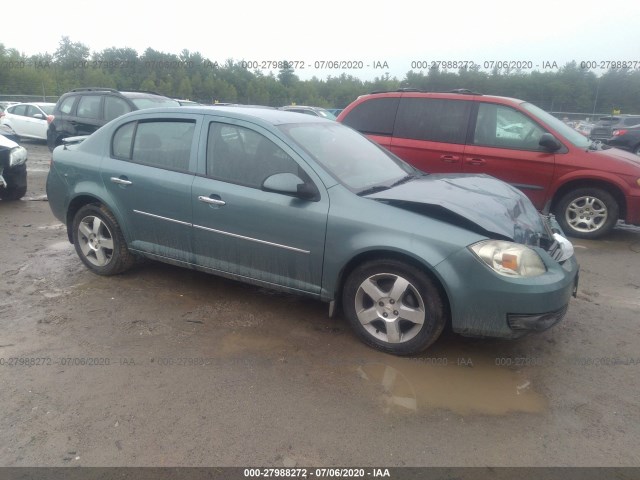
164 366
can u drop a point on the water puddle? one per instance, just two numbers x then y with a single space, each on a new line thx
464 385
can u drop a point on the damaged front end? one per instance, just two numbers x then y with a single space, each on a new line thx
519 278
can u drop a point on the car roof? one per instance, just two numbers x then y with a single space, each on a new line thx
39 104
266 114
448 95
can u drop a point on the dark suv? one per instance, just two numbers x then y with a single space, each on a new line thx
588 185
83 110
604 127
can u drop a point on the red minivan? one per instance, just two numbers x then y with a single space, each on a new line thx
588 186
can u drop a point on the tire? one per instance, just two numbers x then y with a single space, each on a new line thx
587 213
373 312
636 150
99 241
13 193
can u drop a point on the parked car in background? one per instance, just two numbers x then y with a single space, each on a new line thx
335 111
5 104
315 111
186 103
13 170
586 185
83 110
626 139
28 120
584 128
604 127
309 206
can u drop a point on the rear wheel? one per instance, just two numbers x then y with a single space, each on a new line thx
587 212
637 150
99 241
393 306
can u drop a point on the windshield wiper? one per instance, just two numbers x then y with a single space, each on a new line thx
403 180
374 189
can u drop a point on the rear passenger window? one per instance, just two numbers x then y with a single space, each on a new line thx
432 119
19 110
375 116
161 144
89 106
122 141
503 127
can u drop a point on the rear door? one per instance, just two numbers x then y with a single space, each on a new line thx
88 115
17 120
430 133
504 144
148 175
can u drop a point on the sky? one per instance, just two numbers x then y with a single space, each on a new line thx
391 35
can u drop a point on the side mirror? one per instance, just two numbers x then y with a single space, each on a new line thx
290 184
39 116
549 142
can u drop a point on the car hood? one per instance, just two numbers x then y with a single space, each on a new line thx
6 143
472 201
621 156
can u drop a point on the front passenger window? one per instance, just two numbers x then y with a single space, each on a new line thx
240 155
503 127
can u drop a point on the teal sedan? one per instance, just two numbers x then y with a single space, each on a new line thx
309 206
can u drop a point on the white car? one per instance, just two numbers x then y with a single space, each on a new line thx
27 120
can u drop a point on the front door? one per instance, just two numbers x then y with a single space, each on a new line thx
241 229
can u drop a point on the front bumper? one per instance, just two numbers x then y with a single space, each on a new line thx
14 177
633 210
486 304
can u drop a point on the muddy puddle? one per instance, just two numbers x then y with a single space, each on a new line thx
419 385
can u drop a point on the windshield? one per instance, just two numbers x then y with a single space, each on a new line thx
325 114
153 102
573 136
47 109
352 159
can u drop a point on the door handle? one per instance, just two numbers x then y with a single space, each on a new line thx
121 181
476 161
449 158
211 201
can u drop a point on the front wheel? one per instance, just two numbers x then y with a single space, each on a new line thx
587 212
99 241
393 306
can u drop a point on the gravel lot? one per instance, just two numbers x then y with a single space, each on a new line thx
167 367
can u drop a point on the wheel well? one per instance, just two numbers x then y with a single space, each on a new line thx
75 205
585 183
384 254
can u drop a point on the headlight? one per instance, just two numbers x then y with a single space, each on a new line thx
17 156
509 259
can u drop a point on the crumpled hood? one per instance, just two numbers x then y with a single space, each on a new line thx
491 204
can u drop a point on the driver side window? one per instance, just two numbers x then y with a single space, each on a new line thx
503 127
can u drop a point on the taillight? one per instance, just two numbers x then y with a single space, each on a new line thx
1 114
50 119
617 133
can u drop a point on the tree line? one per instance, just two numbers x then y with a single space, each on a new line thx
189 75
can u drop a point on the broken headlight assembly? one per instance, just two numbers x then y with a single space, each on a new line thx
509 259
17 156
